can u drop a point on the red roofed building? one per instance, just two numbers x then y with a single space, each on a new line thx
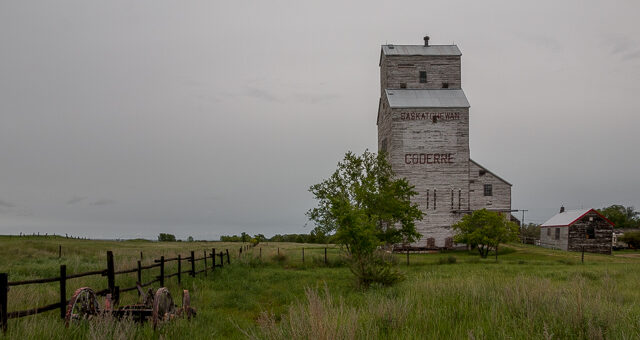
578 230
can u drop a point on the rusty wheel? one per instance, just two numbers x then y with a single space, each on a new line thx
82 305
163 306
186 304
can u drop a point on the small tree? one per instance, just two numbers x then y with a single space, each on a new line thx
162 237
485 230
366 207
190 239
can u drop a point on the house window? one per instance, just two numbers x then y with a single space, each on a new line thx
488 190
557 233
427 198
423 76
548 231
403 85
445 85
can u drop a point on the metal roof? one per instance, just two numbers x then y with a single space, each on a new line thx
421 50
565 218
426 98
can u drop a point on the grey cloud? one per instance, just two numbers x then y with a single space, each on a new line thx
103 201
76 199
5 204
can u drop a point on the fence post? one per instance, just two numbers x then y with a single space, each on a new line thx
161 271
260 253
63 290
193 264
140 256
325 255
228 259
278 251
4 287
213 259
59 251
221 259
302 254
139 275
407 256
582 254
205 263
111 277
240 253
179 268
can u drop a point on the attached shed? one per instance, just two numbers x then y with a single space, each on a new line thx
574 229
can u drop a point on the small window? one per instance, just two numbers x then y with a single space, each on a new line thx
435 198
445 85
590 232
482 172
548 231
488 190
403 85
557 233
423 76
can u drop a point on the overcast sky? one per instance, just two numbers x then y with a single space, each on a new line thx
130 118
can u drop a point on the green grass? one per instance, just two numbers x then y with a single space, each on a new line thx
529 292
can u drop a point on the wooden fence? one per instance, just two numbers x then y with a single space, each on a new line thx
110 273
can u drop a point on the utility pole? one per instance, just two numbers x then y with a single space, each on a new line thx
522 223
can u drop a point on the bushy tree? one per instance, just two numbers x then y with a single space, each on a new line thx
485 230
621 216
632 239
162 237
365 206
190 239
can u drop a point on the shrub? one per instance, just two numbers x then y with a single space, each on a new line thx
280 258
632 239
374 268
447 260
162 237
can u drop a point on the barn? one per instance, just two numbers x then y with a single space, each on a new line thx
578 230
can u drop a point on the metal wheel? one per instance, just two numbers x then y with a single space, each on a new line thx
186 304
163 306
82 305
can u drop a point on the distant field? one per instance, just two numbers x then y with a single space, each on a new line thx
529 293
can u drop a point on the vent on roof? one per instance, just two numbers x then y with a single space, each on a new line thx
391 47
426 41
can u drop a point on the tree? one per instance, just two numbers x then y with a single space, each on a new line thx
162 237
632 239
621 216
485 230
190 239
245 237
530 231
365 206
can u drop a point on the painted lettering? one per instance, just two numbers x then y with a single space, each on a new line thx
429 158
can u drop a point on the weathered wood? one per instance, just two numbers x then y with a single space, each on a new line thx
325 256
179 269
59 251
417 138
63 291
111 278
205 262
139 272
228 257
4 289
213 259
161 277
193 264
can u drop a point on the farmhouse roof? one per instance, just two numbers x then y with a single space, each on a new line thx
441 98
569 217
391 50
489 171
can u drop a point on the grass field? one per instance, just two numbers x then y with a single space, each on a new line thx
529 292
